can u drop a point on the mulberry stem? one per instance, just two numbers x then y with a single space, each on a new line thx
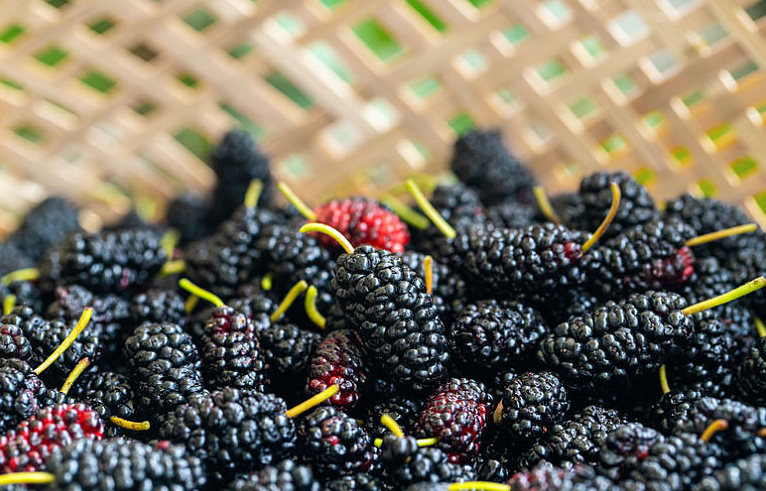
169 241
27 478
390 423
326 229
601 230
296 290
130 425
293 198
172 267
253 193
84 319
429 209
664 379
760 327
266 281
721 234
497 416
314 401
410 216
422 442
479 486
200 292
428 265
310 305
74 374
26 274
727 297
545 205
190 303
713 428
9 302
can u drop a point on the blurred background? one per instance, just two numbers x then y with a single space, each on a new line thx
118 103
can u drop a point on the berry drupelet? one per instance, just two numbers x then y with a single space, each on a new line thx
650 256
481 161
233 359
577 440
361 481
450 291
287 475
187 213
229 258
625 449
109 394
612 345
394 316
363 221
157 305
677 462
45 336
106 262
47 223
404 463
21 393
489 335
547 477
165 366
25 448
741 436
529 406
748 473
335 443
232 430
673 408
287 350
636 206
750 374
12 259
403 410
456 413
707 215
13 343
339 360
122 464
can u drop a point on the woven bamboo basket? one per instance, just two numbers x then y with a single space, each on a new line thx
117 102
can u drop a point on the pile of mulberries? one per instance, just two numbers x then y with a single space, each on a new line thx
506 352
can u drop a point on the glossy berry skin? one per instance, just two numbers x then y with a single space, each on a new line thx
577 440
363 221
288 349
673 408
636 205
21 393
233 359
546 477
335 443
456 413
405 463
158 305
388 306
339 360
109 394
531 404
123 464
401 409
612 345
493 335
228 259
361 481
649 257
626 448
748 473
750 374
538 260
107 262
232 430
13 343
165 366
287 475
25 448
744 421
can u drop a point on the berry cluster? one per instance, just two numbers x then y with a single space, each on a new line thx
489 337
